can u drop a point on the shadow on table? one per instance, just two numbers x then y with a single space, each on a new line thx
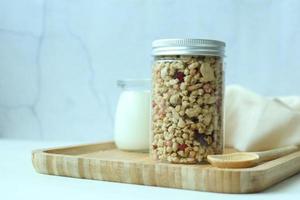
286 185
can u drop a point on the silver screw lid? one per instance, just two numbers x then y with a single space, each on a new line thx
188 47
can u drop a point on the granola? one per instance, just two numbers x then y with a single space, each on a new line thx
187 113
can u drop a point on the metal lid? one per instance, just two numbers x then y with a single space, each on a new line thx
188 47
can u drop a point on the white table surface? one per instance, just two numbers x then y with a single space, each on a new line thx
18 180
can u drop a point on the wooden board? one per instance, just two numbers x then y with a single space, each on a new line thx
104 162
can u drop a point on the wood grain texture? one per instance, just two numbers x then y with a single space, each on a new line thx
104 162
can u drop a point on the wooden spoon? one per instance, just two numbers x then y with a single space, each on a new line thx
248 159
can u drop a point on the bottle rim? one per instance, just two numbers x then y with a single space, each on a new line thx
134 84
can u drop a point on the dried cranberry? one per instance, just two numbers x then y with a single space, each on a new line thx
214 136
179 76
219 104
207 88
169 143
153 104
195 119
182 147
200 138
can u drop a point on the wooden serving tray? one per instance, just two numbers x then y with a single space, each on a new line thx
104 162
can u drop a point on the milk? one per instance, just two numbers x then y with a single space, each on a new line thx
132 121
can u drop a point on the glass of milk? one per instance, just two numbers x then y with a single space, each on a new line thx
132 120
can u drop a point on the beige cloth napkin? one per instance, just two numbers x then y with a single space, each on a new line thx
255 123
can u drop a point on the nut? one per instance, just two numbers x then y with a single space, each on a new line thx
194 87
185 136
174 99
164 73
207 72
181 123
194 65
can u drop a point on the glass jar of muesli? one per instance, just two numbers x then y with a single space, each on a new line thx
187 99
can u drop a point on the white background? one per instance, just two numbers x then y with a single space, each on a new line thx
60 59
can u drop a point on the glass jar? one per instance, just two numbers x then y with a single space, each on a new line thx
132 119
187 100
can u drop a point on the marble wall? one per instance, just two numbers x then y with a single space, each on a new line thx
60 59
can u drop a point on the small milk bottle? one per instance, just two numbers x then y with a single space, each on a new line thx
132 120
